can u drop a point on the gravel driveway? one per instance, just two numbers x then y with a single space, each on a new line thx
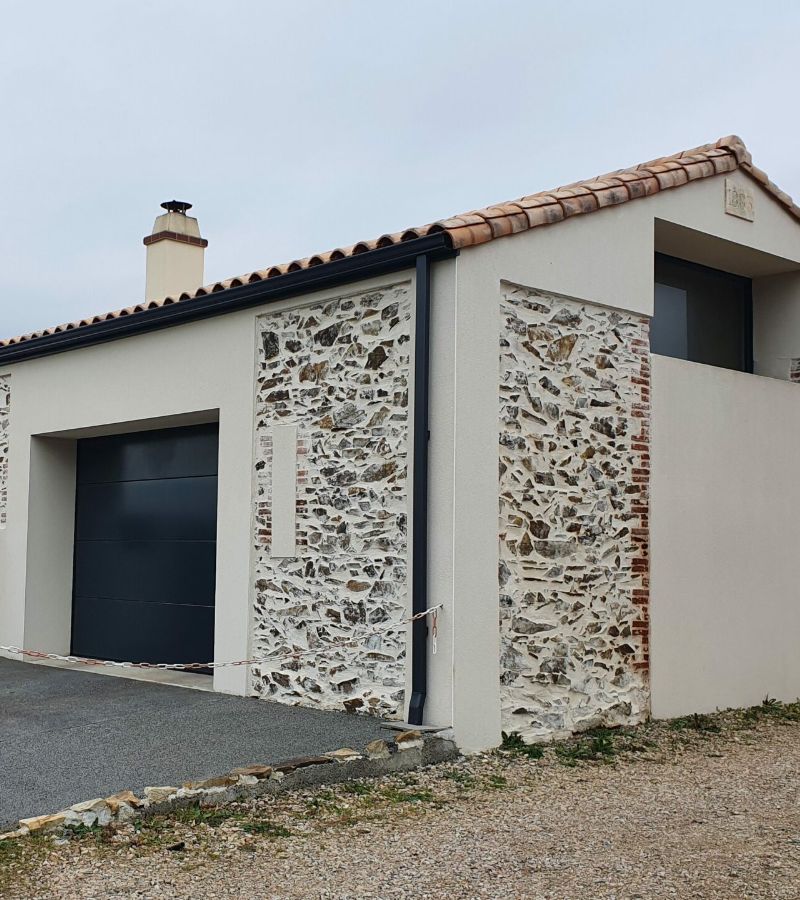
664 811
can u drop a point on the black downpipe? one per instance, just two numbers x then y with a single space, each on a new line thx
419 550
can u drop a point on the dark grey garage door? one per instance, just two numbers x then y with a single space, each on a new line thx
145 546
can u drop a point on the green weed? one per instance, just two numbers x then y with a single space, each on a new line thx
266 829
213 816
695 722
397 795
774 709
513 743
462 779
497 782
592 747
18 857
359 788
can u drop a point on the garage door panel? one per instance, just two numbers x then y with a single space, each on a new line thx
180 572
168 453
144 632
171 509
145 546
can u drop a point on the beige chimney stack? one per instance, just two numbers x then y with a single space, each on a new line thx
175 253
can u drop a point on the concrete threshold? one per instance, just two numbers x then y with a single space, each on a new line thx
192 680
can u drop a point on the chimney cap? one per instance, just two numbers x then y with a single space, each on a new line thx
179 206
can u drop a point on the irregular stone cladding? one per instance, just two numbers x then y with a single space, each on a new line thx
5 424
574 475
340 371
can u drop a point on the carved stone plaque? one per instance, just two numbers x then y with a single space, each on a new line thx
739 200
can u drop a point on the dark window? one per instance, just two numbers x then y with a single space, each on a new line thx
702 315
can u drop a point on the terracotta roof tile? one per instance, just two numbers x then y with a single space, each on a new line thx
501 219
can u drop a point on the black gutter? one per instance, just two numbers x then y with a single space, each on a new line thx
384 260
419 548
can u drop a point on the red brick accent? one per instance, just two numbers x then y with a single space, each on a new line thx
640 533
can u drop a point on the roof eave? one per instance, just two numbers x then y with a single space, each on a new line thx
372 263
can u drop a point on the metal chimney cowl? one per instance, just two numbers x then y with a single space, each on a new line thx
175 253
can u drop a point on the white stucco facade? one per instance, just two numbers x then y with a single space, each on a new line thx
722 613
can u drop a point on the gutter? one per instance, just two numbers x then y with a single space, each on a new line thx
418 253
384 260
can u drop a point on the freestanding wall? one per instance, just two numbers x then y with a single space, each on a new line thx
725 566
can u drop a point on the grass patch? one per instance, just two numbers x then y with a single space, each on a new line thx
409 779
322 802
266 829
594 746
213 816
18 858
153 832
359 788
497 782
632 740
99 833
695 722
773 709
397 795
514 744
462 779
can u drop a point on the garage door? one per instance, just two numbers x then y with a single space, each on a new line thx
145 546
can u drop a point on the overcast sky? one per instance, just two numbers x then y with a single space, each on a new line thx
298 126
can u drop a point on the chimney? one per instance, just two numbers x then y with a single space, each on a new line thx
175 253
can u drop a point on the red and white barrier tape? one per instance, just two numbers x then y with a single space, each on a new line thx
270 658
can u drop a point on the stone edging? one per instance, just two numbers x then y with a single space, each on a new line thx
408 750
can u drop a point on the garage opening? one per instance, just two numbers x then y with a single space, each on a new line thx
145 546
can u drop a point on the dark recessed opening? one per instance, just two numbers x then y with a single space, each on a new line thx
702 315
145 546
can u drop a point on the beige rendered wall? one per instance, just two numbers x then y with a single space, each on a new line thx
776 324
725 600
198 372
174 376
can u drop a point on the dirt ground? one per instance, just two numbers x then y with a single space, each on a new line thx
703 807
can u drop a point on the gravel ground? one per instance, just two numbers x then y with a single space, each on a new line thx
706 807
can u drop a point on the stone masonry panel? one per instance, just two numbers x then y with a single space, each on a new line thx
339 371
574 476
5 425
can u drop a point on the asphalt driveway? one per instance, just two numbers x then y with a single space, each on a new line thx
67 736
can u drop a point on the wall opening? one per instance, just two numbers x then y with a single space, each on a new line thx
145 546
702 315
50 534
